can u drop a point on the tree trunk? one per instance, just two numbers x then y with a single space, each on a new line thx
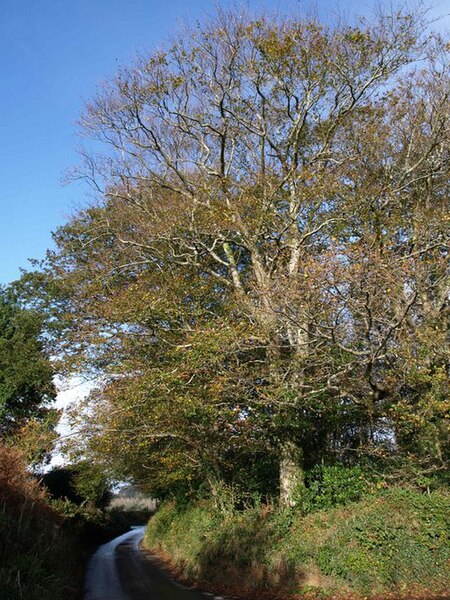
292 482
292 479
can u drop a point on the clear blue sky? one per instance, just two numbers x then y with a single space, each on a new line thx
52 55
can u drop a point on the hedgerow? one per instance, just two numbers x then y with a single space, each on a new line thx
395 541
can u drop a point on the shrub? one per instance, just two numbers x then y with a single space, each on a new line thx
327 487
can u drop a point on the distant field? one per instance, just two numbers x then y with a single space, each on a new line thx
140 503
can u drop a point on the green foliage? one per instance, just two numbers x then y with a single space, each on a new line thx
79 483
26 373
330 486
204 539
399 539
92 483
60 485
392 542
183 531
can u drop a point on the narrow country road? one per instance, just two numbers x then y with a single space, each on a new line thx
120 571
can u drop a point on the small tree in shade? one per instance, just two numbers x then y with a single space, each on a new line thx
79 483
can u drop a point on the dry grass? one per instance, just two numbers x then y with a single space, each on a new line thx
37 552
139 503
17 487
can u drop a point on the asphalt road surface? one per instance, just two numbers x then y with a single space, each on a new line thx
120 571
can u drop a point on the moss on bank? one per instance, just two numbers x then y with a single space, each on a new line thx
395 543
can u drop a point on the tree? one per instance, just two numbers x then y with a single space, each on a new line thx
269 251
26 373
79 483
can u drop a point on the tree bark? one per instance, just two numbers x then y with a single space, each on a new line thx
292 481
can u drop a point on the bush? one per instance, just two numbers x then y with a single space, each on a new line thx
328 487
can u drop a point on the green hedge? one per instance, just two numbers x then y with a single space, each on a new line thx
396 542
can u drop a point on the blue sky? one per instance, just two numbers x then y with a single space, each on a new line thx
53 53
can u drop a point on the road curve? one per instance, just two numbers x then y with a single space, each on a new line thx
120 571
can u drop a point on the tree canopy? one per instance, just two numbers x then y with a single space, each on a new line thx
26 373
263 278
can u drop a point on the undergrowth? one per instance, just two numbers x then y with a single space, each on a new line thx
394 541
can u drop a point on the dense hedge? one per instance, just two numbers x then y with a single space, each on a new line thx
393 542
39 558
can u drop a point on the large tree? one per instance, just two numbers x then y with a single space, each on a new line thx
267 261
